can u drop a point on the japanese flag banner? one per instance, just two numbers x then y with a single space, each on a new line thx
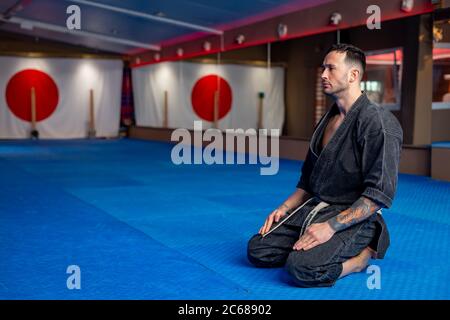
236 96
62 92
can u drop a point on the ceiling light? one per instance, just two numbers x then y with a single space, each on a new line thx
407 5
282 30
240 39
207 46
335 18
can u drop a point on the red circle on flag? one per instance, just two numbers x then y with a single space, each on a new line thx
203 97
18 94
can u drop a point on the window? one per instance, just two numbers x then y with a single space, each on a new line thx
441 76
382 79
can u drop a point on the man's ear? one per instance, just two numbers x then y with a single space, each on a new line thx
354 74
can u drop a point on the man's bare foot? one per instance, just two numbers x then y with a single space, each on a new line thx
357 263
362 260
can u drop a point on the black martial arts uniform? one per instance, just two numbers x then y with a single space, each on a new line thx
361 159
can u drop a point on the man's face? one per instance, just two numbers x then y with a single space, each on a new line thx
337 74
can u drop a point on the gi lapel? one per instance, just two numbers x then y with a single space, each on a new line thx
327 155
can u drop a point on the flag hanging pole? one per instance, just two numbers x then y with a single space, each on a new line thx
34 132
91 132
33 108
166 110
216 109
260 110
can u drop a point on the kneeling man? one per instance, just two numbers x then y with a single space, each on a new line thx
332 225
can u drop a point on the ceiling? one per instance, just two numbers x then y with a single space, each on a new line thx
129 26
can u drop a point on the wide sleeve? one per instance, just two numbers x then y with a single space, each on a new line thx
380 162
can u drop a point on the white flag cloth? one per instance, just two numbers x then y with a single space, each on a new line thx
74 78
180 78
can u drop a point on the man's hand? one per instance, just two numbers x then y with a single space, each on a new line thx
275 216
315 234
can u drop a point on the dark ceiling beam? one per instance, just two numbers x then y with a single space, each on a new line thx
80 33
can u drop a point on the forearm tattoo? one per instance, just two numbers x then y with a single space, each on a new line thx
359 211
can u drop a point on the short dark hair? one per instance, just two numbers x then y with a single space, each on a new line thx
352 54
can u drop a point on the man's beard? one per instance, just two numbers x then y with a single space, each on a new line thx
335 92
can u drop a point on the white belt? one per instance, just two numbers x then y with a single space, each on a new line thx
308 219
311 215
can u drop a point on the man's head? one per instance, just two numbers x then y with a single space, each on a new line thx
342 69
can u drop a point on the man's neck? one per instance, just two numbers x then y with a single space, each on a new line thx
346 101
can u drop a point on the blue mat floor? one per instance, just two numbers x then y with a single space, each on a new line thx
140 227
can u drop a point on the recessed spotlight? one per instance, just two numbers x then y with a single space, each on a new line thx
407 5
240 39
335 18
282 30
207 46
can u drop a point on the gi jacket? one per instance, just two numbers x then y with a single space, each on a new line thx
361 159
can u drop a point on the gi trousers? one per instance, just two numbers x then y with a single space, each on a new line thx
316 267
